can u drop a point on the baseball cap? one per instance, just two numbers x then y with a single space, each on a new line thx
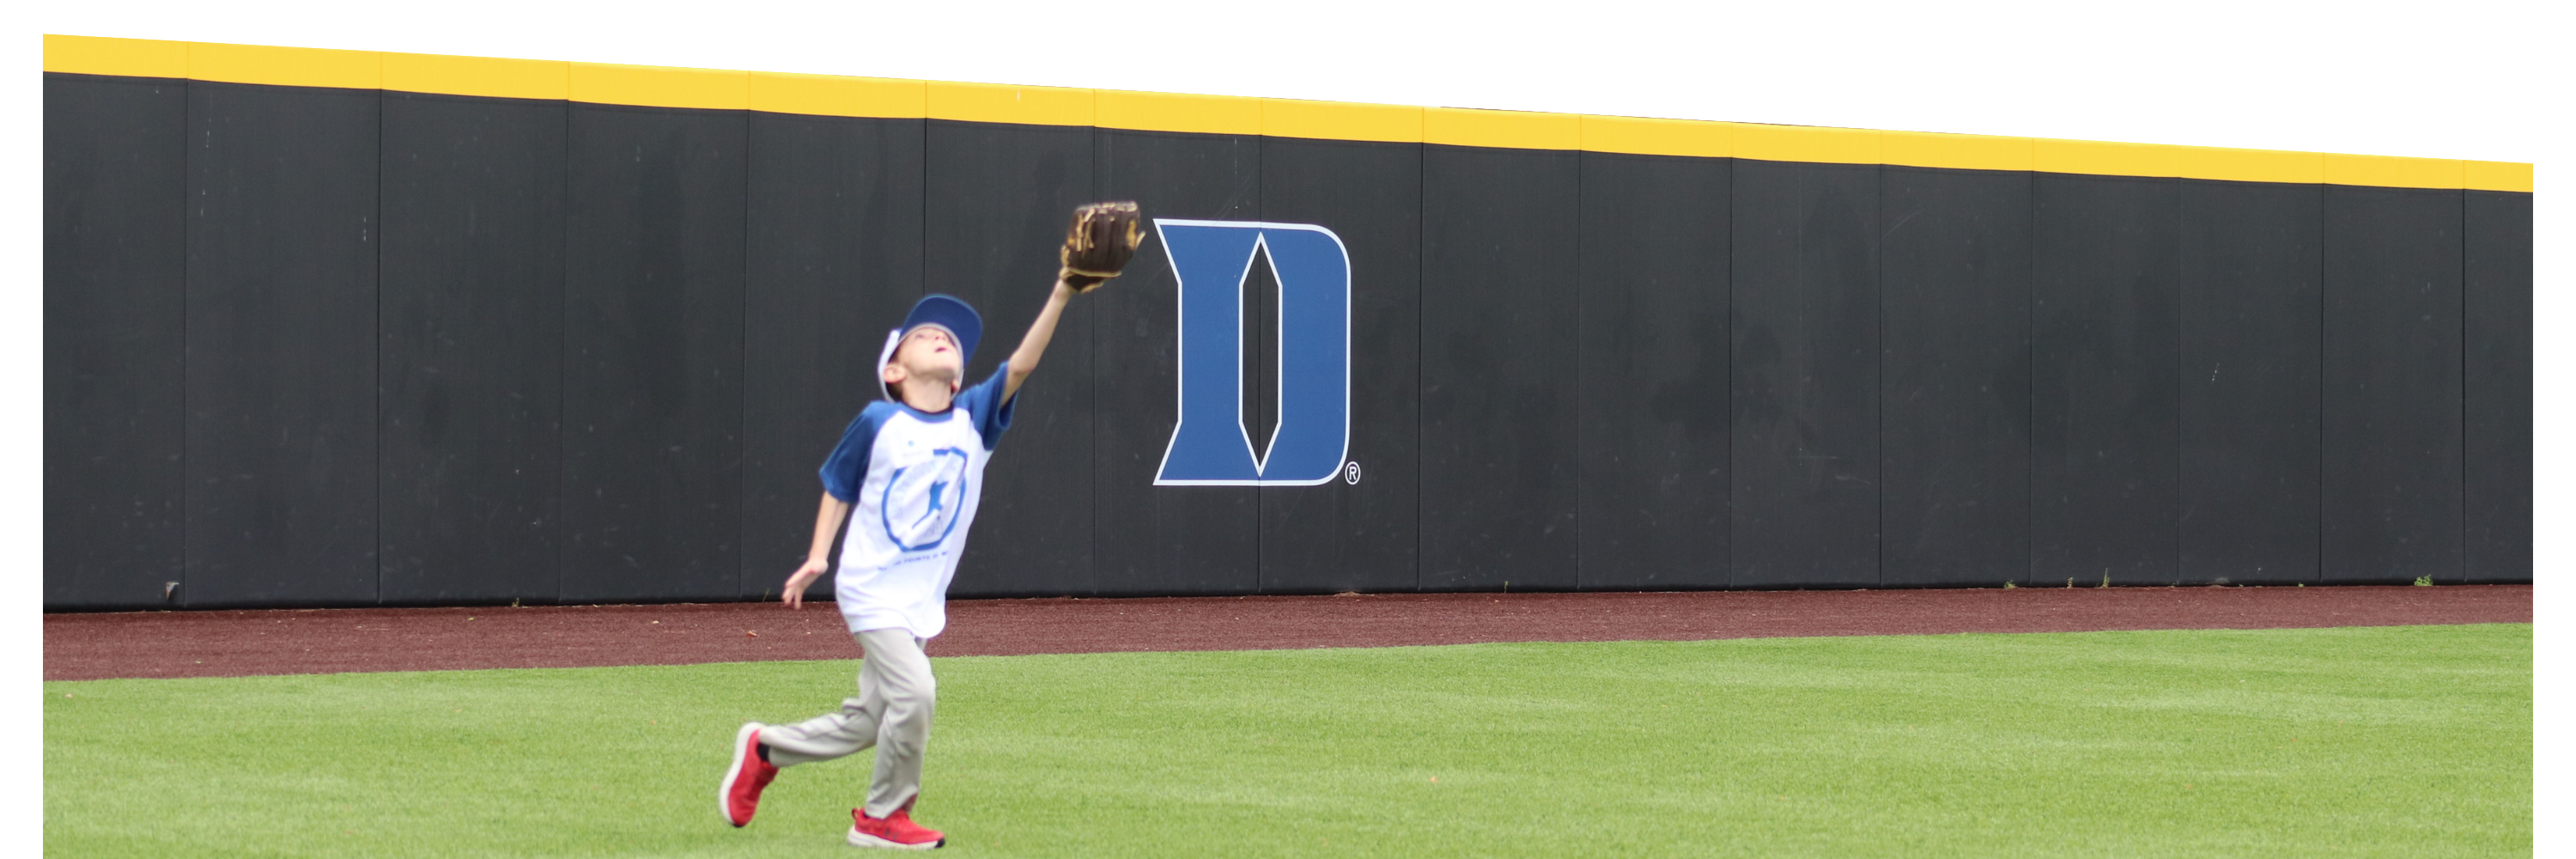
946 311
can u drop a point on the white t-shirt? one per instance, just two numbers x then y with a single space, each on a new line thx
912 479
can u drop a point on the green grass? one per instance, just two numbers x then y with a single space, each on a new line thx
2402 741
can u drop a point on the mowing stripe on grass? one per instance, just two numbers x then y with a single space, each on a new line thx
2396 741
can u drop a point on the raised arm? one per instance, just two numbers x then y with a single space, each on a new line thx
1024 360
1097 246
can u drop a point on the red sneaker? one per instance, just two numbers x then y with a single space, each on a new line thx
739 797
897 831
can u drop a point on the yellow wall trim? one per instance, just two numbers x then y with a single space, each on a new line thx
2497 176
2104 158
1962 151
1807 143
660 86
832 95
1024 105
829 95
1155 111
1341 120
2251 165
1511 129
140 58
1637 136
478 76
2389 172
256 64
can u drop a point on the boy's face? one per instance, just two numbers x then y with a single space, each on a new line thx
927 352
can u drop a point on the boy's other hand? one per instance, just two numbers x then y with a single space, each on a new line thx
814 568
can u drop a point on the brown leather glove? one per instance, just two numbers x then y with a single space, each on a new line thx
1103 238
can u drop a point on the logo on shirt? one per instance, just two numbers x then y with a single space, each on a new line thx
1211 446
922 500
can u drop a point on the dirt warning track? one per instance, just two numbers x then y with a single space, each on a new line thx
234 643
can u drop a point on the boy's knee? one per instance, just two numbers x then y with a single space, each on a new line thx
919 697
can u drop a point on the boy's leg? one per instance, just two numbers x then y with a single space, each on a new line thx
834 734
897 674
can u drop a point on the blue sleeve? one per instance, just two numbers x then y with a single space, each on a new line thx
847 469
987 404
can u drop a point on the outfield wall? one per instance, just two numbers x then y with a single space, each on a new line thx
342 328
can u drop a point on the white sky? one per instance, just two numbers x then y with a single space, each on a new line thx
2452 80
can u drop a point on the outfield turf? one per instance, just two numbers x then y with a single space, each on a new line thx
2390 741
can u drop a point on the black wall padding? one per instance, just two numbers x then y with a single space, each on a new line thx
281 331
310 347
992 223
1652 423
1954 377
653 354
470 386
1499 352
2250 375
833 256
1357 536
2498 385
2392 483
1164 539
2105 422
1805 370
115 346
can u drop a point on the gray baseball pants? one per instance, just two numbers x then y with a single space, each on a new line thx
892 713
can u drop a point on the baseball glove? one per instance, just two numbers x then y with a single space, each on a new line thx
1103 238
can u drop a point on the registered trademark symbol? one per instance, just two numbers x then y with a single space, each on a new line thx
1351 473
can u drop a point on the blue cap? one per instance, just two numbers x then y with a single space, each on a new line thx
945 311
952 313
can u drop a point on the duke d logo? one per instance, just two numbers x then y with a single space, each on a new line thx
1211 260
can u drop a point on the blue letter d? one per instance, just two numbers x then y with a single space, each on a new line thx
1210 447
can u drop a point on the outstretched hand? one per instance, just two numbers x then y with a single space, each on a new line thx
1097 247
814 568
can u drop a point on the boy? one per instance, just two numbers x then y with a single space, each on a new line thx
912 466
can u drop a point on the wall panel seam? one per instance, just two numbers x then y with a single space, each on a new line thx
376 346
2030 386
1878 363
2030 392
1099 174
563 363
1734 186
1582 392
742 410
1261 210
1421 439
187 119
